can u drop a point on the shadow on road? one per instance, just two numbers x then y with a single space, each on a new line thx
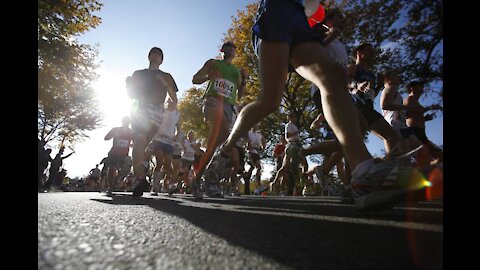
306 234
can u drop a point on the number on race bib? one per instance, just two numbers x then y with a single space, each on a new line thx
223 87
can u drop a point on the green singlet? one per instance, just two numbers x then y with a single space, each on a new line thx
227 85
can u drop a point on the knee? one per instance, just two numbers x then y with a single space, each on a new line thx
270 105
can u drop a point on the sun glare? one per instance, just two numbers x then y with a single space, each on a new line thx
113 99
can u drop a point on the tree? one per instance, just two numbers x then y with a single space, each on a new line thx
408 36
67 107
191 115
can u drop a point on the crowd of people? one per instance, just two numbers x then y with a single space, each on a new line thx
343 94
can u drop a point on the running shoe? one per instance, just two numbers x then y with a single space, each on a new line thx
171 189
139 186
385 184
307 191
321 176
346 195
196 192
217 168
213 191
235 192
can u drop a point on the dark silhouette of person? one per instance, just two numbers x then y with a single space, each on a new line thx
55 165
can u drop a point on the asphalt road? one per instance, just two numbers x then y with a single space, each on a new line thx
88 230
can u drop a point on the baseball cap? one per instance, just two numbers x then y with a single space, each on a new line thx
228 43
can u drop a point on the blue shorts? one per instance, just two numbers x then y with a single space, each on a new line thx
370 114
282 20
164 147
419 133
405 132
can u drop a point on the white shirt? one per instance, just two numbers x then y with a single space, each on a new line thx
397 119
338 52
255 140
188 150
166 130
291 128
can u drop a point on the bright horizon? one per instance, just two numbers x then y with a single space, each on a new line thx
188 37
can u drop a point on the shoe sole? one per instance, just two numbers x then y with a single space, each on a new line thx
385 200
406 155
195 191
215 195
138 190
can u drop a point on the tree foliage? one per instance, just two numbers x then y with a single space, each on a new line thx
67 107
191 115
407 34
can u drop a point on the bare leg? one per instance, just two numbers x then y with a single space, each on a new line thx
341 172
235 167
138 153
258 174
175 167
325 147
218 132
331 161
313 63
111 179
382 129
273 75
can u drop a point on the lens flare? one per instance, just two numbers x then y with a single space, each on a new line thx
435 190
427 183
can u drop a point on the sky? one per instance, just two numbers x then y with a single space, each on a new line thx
189 32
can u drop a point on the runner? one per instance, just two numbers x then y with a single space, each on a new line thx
416 121
225 87
281 42
122 138
148 87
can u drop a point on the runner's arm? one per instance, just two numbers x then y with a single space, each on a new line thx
203 74
110 134
172 88
351 70
132 85
243 83
64 157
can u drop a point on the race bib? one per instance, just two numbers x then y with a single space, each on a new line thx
223 87
122 143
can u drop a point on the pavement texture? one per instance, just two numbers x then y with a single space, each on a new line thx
88 230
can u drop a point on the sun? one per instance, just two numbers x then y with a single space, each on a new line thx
112 96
